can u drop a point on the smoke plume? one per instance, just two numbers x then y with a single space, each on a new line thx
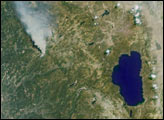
36 22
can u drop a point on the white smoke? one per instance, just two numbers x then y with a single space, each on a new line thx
36 23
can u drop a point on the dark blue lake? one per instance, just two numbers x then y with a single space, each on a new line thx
127 76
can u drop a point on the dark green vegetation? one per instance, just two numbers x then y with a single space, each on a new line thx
34 87
158 46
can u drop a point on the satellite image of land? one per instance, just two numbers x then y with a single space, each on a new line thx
82 60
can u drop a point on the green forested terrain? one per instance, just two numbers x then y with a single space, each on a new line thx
63 83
